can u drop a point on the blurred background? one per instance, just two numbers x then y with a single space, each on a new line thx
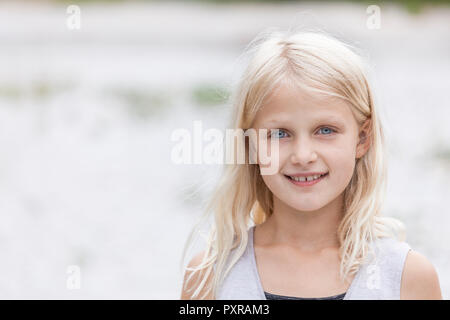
86 116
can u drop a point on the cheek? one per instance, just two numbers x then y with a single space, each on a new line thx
273 156
341 163
275 183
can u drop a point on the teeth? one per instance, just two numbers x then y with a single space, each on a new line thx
303 179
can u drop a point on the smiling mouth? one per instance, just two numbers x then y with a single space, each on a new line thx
306 179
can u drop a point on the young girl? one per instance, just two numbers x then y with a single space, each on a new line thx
314 229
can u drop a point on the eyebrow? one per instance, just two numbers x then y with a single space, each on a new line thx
332 119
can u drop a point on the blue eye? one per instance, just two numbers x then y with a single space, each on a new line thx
327 130
277 133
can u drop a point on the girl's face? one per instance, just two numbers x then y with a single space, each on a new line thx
316 136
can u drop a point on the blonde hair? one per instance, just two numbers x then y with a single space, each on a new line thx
318 63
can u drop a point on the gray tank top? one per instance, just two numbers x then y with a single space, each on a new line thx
378 278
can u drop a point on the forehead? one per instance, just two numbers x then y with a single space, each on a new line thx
287 103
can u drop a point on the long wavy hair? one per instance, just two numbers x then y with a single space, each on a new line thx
320 63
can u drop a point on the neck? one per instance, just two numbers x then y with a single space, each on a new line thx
306 230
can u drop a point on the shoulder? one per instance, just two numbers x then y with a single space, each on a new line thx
419 280
192 279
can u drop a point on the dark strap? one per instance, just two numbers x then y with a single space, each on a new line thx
270 296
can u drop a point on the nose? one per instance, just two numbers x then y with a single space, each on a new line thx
303 152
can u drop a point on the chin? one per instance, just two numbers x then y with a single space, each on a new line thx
307 208
305 205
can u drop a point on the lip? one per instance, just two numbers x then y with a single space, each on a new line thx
306 174
306 183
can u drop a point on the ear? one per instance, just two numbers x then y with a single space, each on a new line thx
365 138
